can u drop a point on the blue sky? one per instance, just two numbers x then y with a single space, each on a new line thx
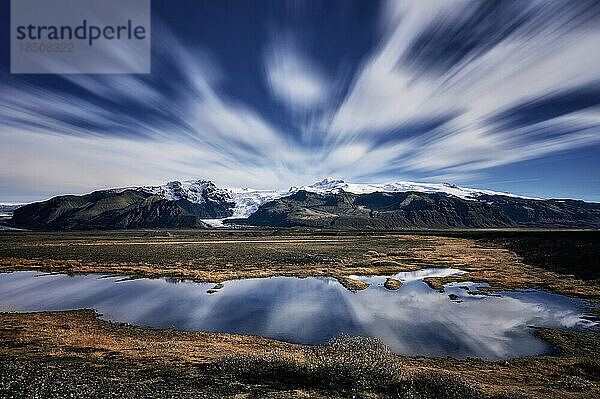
502 95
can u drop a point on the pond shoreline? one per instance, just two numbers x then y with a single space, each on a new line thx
412 319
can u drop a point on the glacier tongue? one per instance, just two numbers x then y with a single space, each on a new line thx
248 200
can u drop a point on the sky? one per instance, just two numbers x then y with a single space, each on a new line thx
501 95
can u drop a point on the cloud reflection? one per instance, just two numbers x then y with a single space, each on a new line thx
413 320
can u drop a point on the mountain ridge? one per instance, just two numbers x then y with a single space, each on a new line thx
247 200
407 210
327 203
104 210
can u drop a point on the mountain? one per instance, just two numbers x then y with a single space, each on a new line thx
552 213
327 203
205 199
379 211
102 210
401 210
330 185
199 197
242 202
212 202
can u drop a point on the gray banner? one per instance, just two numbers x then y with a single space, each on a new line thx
80 36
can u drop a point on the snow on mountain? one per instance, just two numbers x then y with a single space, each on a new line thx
246 201
331 185
190 190
7 208
195 191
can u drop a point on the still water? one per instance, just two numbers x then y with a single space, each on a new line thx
413 320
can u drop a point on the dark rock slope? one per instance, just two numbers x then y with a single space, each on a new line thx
422 210
129 209
552 213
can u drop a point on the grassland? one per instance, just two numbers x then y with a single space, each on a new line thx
62 353
216 256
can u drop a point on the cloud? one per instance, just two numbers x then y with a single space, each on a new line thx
140 129
507 82
293 78
451 89
472 148
129 129
549 106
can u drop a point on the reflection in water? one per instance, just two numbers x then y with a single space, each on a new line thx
413 320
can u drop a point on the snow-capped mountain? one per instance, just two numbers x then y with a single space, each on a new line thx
329 203
242 201
245 201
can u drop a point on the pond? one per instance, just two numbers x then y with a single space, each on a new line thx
412 320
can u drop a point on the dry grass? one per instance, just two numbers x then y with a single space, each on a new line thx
214 259
217 257
352 284
77 332
500 268
347 365
392 284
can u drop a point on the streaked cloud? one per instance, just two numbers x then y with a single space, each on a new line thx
495 74
449 90
293 77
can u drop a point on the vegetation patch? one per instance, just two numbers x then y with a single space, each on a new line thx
352 284
347 365
392 284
